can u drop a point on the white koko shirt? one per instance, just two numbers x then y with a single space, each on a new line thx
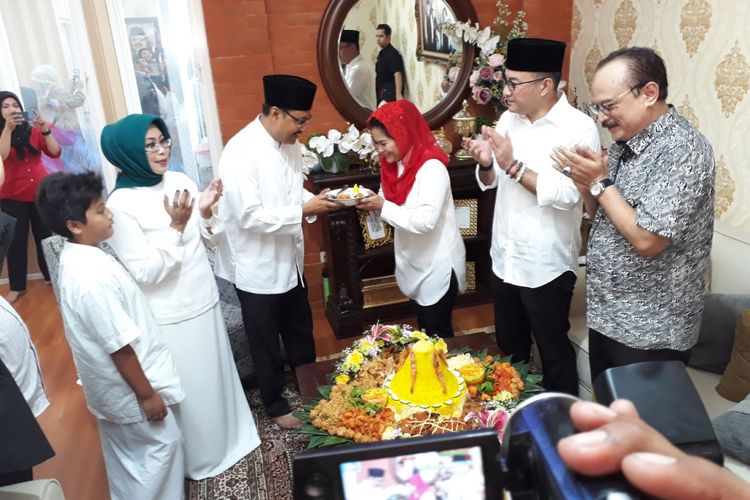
535 239
19 355
427 243
171 267
360 78
261 212
103 311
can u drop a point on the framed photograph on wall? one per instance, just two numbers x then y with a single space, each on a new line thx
466 216
433 44
375 232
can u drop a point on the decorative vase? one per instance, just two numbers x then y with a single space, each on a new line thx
444 143
465 125
337 163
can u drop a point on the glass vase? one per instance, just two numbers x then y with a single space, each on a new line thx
337 163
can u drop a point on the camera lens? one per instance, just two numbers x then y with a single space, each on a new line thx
316 486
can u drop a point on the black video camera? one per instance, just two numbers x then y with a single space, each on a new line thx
473 465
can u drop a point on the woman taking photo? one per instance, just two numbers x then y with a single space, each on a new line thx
161 222
415 198
21 146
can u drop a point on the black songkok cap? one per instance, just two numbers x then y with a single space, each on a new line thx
350 36
375 472
535 55
289 92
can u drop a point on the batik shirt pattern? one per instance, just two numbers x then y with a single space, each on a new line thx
666 173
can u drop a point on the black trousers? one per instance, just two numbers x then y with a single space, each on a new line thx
266 316
543 310
607 353
25 213
437 318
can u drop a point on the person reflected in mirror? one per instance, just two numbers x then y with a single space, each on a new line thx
615 439
652 201
358 72
163 225
416 199
262 212
22 143
536 233
390 77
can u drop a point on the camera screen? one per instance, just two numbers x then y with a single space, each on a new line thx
436 475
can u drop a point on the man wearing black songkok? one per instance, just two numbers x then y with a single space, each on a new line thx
536 229
262 209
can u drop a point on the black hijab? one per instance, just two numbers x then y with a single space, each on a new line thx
20 139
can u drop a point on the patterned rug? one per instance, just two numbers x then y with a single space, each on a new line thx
266 473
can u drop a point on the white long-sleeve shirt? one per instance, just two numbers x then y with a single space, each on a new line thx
20 357
427 243
103 311
535 239
261 212
359 76
171 267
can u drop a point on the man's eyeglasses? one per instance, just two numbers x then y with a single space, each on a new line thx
606 107
301 122
155 147
512 85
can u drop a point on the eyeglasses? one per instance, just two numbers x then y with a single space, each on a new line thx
155 147
512 85
301 122
606 107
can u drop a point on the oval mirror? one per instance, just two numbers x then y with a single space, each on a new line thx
415 35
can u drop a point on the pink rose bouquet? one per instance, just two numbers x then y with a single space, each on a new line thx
486 80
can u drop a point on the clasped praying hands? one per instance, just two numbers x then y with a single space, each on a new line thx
583 165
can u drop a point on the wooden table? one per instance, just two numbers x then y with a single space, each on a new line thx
310 376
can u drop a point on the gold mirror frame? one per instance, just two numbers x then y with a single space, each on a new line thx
333 81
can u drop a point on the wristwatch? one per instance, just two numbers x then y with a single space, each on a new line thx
598 187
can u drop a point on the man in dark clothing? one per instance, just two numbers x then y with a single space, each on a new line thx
390 81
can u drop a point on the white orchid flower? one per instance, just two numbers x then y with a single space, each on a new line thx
319 143
334 135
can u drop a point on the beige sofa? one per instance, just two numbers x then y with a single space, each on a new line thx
730 273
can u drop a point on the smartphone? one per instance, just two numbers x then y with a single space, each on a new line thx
29 116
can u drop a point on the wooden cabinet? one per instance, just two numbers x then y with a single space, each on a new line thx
349 262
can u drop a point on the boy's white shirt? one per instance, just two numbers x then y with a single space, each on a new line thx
103 311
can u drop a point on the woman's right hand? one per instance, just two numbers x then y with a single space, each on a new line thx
180 209
15 120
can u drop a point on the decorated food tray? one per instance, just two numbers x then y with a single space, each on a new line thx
395 382
349 196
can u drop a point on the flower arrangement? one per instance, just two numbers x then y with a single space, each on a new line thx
336 150
487 78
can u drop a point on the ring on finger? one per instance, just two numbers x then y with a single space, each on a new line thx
567 170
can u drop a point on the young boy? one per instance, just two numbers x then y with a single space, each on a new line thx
127 373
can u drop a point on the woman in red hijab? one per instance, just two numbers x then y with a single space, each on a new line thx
415 198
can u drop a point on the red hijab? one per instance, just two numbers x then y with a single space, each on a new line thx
415 142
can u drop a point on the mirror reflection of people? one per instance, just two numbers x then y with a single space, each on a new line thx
21 147
416 200
161 237
358 72
390 79
536 233
262 211
615 439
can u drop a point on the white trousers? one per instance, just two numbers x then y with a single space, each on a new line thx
144 460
